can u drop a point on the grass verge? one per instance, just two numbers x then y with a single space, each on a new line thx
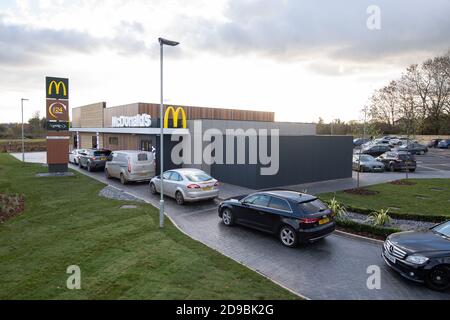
427 199
122 253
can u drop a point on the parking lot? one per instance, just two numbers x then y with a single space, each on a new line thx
335 268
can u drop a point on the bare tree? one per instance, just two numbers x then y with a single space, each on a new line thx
384 104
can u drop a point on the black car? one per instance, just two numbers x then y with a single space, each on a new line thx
359 141
294 217
398 160
421 256
93 159
375 150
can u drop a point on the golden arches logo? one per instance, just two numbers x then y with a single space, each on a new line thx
57 86
56 108
175 115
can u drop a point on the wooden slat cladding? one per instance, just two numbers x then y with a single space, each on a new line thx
124 142
90 116
193 113
124 110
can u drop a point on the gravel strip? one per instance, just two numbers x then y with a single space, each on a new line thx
395 223
111 192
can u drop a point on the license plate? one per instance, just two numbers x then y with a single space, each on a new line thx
390 257
206 188
323 221
103 158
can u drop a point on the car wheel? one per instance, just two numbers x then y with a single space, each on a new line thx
438 278
123 180
89 168
412 170
227 217
80 165
391 167
152 188
179 198
108 176
288 236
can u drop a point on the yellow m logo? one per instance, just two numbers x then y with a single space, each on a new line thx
175 115
57 86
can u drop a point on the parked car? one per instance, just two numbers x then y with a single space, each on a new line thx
186 185
433 143
359 141
413 148
74 155
366 163
421 256
130 165
294 217
93 159
375 150
398 160
444 144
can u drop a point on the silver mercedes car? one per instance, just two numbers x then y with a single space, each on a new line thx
186 185
367 163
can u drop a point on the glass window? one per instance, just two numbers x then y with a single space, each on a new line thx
443 229
250 198
175 176
102 153
142 157
261 200
113 140
198 177
311 207
167 175
280 204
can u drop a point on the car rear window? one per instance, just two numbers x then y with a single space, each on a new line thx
101 153
198 177
313 206
142 157
405 157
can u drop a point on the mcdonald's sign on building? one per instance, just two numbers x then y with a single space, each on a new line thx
57 88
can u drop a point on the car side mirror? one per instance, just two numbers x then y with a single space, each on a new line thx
245 203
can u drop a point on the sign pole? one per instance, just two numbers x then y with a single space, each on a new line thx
23 142
161 147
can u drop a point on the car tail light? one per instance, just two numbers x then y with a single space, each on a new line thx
129 165
193 186
93 158
309 220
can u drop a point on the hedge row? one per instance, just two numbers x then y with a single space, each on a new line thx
405 216
365 228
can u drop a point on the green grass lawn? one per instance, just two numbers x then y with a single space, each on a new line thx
426 197
122 253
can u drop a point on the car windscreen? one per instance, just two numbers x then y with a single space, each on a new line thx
443 229
198 177
313 206
405 157
104 153
367 158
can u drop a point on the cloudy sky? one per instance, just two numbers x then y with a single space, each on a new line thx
301 59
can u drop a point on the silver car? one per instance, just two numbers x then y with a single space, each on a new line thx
74 155
367 163
130 166
186 185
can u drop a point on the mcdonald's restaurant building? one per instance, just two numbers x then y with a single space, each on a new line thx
303 156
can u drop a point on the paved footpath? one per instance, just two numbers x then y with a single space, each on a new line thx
335 268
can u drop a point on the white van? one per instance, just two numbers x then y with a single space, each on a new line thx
130 165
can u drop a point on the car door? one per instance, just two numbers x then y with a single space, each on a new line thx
175 181
168 184
253 211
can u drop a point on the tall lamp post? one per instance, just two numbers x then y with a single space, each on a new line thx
171 43
23 142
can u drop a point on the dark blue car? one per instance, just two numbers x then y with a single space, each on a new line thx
294 217
444 144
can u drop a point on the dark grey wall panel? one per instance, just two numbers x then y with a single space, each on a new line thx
302 159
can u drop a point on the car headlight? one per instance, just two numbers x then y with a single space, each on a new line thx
417 259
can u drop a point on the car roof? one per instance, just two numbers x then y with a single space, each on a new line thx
187 170
290 195
132 151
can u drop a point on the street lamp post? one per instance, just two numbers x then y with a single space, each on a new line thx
23 142
162 42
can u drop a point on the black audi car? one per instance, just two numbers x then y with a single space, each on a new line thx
421 256
294 217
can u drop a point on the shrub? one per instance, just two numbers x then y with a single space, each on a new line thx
379 218
339 210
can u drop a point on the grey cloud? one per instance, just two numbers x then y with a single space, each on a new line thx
294 29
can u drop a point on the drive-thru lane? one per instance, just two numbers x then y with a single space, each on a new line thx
335 268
